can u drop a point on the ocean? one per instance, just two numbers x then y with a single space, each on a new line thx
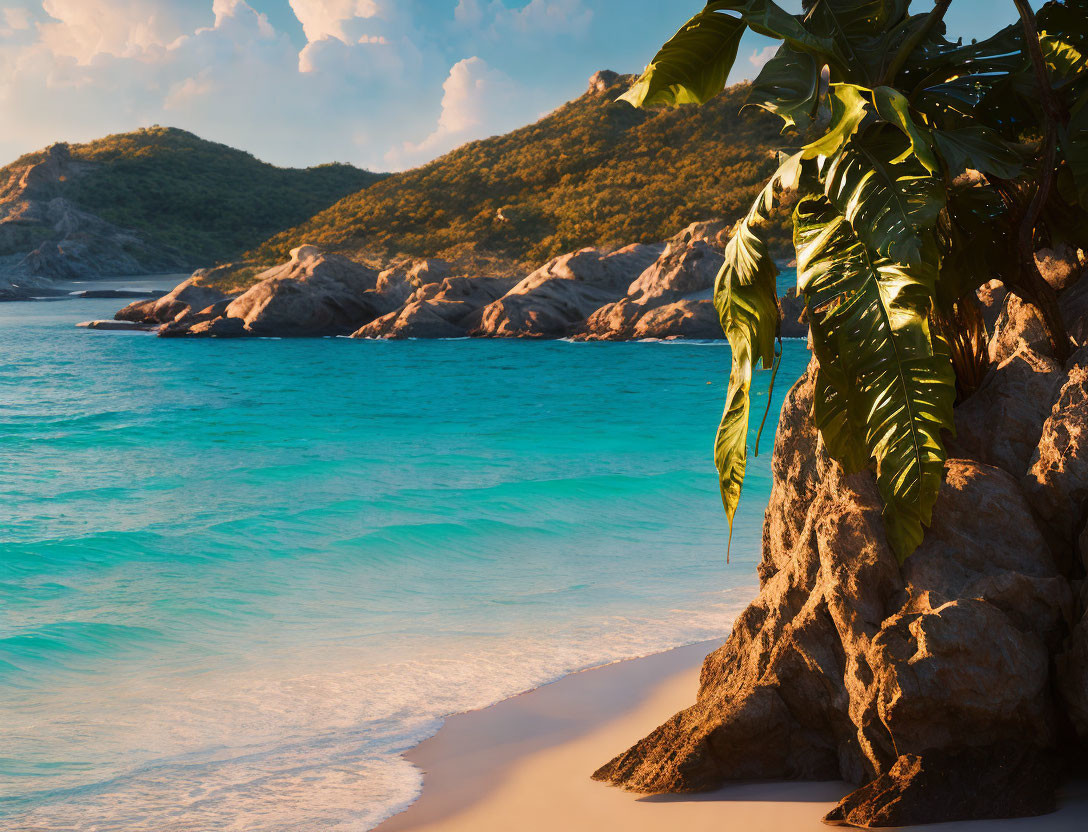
239 578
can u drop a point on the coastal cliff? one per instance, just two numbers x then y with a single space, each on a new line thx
952 687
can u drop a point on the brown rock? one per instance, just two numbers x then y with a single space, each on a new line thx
218 328
1001 422
688 266
612 322
396 283
417 319
690 319
1060 266
560 295
1057 484
188 297
991 297
791 309
845 662
436 310
942 786
312 294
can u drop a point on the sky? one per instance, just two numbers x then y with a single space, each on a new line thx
383 84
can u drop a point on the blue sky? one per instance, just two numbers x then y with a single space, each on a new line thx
385 84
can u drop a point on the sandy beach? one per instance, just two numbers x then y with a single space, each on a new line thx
525 763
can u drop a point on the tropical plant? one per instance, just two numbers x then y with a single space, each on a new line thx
920 169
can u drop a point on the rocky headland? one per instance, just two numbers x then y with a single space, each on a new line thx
639 291
44 236
952 687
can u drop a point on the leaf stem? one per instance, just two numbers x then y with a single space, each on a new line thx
915 40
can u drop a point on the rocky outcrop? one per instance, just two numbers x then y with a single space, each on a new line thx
943 686
555 298
637 292
45 237
694 320
791 311
187 300
681 279
437 310
312 294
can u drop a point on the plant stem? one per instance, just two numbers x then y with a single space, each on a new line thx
915 40
1036 290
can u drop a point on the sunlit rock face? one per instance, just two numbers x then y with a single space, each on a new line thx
941 686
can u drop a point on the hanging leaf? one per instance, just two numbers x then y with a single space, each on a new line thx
894 108
890 207
977 148
849 108
746 298
974 256
694 65
789 87
872 317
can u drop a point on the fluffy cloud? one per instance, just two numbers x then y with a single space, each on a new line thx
377 83
82 29
759 57
327 18
476 100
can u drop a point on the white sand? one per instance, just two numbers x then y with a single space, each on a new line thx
524 764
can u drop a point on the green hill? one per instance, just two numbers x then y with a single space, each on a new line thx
206 200
594 172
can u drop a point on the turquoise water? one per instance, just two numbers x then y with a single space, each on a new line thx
238 578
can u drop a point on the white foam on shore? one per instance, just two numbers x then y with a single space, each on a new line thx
273 750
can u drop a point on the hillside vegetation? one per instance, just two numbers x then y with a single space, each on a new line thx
207 200
594 172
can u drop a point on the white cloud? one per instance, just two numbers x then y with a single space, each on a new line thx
327 18
475 99
759 57
17 19
546 16
362 81
82 29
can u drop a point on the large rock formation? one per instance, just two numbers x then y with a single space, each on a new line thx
314 293
44 237
187 300
437 310
551 301
671 297
943 685
637 292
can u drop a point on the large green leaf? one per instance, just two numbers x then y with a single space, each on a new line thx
854 17
979 83
857 28
694 65
977 148
849 107
788 86
891 207
871 314
746 299
1063 37
894 108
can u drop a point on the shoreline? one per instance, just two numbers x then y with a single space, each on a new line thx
525 763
